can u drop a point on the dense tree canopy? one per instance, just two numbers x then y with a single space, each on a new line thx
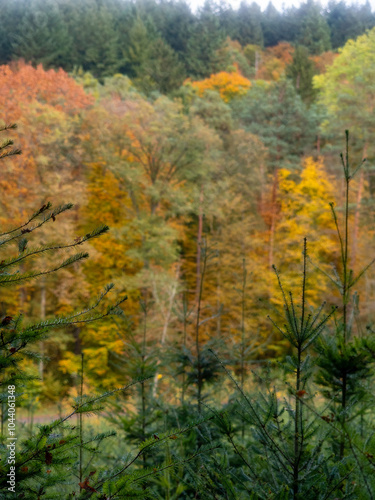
110 36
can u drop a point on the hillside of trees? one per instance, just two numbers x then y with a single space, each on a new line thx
210 144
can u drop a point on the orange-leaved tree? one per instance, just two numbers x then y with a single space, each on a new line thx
228 84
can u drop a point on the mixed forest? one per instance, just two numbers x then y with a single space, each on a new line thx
196 158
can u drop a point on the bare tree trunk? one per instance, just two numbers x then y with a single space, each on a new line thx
273 218
199 243
166 313
257 61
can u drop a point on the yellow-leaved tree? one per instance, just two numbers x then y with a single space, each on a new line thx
305 212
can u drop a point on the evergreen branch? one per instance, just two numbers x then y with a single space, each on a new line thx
286 335
107 289
317 314
229 436
336 283
294 316
282 289
26 334
16 260
67 322
152 442
10 126
360 468
157 471
353 282
211 317
92 401
257 418
304 276
6 280
6 144
344 433
336 485
338 230
52 215
12 152
357 168
318 329
38 212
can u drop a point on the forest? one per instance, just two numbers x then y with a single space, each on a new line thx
187 234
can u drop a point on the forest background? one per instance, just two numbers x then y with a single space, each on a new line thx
208 143
175 129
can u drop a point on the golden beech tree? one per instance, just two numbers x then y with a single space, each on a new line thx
305 212
229 85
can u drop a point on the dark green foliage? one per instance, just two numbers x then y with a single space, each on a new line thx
135 47
300 429
348 21
249 26
11 15
301 72
95 40
284 123
161 70
108 36
345 361
173 20
205 39
349 361
273 26
43 37
313 30
138 363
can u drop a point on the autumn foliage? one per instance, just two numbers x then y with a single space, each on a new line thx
226 210
45 105
22 84
229 85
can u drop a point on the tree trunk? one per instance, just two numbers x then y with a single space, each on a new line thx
273 218
166 313
199 243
